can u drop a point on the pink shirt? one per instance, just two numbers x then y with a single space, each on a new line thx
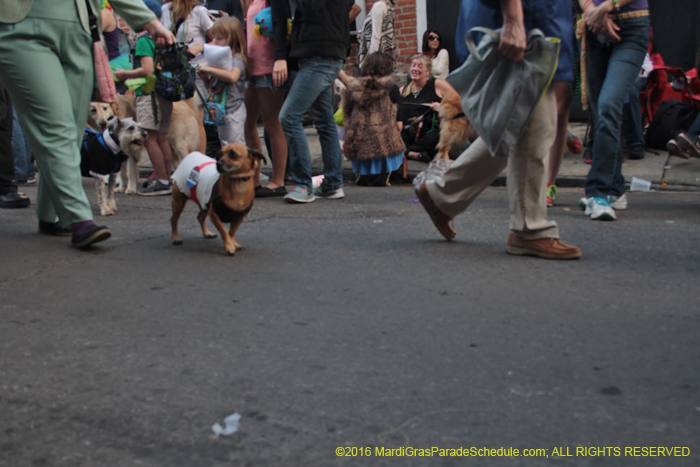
261 51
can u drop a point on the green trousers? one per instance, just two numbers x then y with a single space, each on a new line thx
46 65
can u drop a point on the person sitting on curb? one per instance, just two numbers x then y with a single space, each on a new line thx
687 143
418 116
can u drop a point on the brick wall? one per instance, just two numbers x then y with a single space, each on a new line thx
405 30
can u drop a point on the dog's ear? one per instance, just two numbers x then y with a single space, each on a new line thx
113 122
256 155
115 108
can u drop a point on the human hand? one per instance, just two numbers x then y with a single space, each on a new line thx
162 36
120 75
435 106
611 29
513 40
279 72
596 17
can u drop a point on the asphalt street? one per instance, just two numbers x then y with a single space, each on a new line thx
352 323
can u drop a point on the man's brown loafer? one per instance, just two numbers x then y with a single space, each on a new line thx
549 248
442 221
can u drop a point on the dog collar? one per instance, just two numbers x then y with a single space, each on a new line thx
244 176
111 144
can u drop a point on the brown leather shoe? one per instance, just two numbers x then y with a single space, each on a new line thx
442 221
549 248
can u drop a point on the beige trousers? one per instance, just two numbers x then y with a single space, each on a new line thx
475 169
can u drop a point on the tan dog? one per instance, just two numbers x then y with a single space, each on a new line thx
184 136
98 115
223 188
455 128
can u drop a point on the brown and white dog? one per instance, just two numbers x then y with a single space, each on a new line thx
223 188
102 152
184 136
455 128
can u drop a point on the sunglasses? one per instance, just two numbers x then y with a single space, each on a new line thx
434 38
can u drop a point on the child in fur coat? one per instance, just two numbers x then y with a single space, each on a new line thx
372 142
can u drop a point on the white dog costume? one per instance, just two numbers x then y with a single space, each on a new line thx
196 176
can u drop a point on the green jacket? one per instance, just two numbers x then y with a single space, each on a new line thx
134 12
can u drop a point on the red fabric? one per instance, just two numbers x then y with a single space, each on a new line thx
660 87
193 189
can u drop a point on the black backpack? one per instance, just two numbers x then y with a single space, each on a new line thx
671 118
174 74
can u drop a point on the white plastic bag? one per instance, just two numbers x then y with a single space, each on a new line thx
436 169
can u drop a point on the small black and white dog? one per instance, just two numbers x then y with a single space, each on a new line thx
102 155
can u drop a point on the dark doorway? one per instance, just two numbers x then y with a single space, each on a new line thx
442 15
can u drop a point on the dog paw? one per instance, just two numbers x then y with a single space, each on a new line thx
177 242
119 190
211 235
106 212
130 191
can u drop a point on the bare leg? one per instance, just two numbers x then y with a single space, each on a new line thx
167 154
202 133
252 140
270 104
556 152
155 153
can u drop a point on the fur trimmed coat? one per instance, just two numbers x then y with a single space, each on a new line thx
370 119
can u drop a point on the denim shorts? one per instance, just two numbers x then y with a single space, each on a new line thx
262 81
265 81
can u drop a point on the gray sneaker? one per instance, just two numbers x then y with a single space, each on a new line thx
674 148
338 193
300 194
156 188
690 145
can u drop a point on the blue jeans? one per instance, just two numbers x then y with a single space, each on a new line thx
694 129
313 89
24 169
611 71
632 127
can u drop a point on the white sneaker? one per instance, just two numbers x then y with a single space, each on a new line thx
599 209
618 203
